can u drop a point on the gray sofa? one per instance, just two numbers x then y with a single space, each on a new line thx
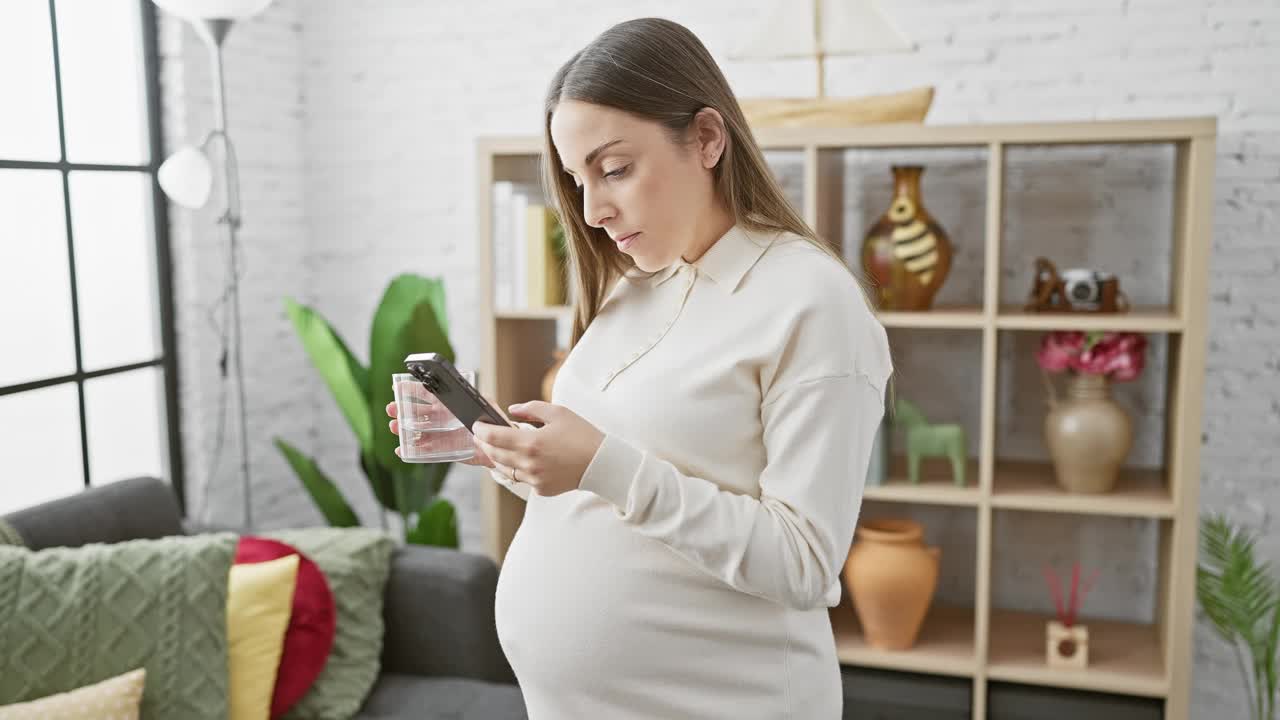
441 658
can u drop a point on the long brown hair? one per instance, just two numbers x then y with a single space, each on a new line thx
658 70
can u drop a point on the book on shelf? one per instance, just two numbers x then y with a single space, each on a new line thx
529 269
545 284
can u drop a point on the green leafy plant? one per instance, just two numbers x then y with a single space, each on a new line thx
1242 601
410 318
559 243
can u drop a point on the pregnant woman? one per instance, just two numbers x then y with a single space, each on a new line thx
693 488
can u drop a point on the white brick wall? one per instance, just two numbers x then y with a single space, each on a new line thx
356 123
265 115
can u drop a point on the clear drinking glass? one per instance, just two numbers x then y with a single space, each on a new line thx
429 432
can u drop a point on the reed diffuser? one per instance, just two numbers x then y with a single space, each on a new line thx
1067 641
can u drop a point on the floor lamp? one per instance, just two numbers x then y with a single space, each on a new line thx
186 177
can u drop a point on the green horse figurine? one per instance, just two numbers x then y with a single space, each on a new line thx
925 440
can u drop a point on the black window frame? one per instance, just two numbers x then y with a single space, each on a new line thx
163 257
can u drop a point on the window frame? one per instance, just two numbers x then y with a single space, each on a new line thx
162 254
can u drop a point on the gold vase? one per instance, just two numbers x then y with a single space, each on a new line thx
1088 434
906 253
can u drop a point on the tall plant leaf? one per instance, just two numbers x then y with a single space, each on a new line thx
411 317
347 379
434 290
437 525
407 321
1269 650
328 499
420 482
380 480
1241 600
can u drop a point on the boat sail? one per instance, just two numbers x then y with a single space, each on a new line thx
818 29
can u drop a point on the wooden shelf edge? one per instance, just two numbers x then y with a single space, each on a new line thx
510 144
886 135
1151 320
924 494
1030 486
908 662
962 318
1077 506
1140 130
1077 680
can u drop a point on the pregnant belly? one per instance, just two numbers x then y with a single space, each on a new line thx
585 601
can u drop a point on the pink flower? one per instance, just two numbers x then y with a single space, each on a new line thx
1125 360
1057 349
1115 355
1094 357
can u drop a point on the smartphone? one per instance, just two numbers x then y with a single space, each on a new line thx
453 391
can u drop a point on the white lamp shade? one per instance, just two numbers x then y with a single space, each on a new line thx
214 9
186 177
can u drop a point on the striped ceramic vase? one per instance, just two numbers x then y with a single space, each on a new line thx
906 254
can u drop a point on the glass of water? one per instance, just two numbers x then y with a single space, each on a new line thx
429 432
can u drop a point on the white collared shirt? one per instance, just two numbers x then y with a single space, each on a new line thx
764 375
739 396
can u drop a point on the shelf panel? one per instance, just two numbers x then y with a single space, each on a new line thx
971 318
554 312
1124 657
1136 130
942 317
1140 130
935 488
508 145
1139 319
943 647
1019 485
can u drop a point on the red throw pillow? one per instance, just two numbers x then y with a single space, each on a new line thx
309 636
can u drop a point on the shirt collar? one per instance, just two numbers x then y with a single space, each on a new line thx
727 261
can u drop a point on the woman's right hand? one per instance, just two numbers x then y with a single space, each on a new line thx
478 459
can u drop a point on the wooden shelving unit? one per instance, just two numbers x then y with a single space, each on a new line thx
981 642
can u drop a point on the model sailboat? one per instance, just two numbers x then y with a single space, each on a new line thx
819 29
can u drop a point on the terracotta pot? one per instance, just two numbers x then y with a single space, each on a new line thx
549 378
892 577
906 253
1089 436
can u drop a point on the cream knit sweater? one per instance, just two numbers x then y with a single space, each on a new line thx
690 574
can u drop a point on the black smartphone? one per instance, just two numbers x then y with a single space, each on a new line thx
453 391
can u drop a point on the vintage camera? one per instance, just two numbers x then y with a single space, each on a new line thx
1075 290
1086 288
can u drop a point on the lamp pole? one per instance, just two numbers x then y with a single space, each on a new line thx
213 31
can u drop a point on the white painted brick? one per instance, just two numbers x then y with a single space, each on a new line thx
1262 13
1165 106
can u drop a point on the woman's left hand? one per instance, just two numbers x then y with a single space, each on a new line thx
551 458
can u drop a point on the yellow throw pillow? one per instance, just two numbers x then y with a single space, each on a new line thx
117 698
259 603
